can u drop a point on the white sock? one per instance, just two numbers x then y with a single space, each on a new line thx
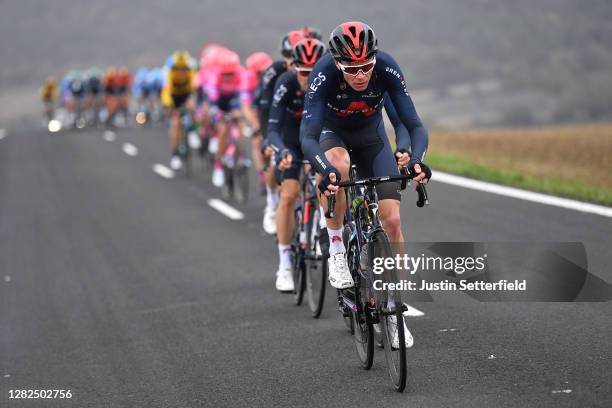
322 222
335 241
271 197
284 254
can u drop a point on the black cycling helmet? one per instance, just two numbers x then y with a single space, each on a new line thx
289 42
353 41
311 32
307 52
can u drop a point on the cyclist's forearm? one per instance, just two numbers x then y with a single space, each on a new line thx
419 139
315 155
275 139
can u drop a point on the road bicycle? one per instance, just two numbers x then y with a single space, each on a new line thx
309 262
375 315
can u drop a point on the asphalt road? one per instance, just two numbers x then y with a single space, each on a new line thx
129 290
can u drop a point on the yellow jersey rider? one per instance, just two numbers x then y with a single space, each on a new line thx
176 96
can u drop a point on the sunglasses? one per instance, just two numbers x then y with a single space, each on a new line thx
304 72
353 70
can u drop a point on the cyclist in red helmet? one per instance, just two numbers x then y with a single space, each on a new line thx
224 92
342 124
283 133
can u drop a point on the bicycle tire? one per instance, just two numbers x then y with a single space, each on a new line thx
316 266
241 184
378 246
363 335
299 282
315 288
348 319
226 188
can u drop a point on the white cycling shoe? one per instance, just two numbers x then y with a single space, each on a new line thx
269 220
176 163
284 280
339 274
218 177
408 339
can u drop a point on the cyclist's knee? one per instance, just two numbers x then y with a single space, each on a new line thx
390 218
289 193
339 158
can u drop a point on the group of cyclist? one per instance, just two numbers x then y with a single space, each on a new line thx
89 97
321 102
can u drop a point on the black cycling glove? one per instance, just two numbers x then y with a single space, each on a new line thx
325 181
424 168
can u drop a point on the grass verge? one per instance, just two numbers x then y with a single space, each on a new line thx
548 185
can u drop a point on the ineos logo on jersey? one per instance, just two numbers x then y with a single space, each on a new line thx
268 75
317 81
280 92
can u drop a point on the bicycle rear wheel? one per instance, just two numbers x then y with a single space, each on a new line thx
389 309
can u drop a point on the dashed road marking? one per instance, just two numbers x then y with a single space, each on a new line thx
412 312
163 171
225 209
522 194
562 391
7 278
109 136
130 149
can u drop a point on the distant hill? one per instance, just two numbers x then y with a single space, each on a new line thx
551 59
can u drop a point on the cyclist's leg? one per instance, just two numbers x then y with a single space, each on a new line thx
175 130
337 154
289 191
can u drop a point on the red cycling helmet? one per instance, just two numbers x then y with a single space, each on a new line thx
353 41
311 32
229 62
258 62
209 56
289 42
307 52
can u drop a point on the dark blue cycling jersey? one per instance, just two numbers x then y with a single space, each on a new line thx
268 80
286 112
332 103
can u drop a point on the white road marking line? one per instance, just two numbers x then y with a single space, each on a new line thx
562 391
522 194
7 375
491 357
2 133
163 171
130 149
109 136
412 312
225 209
7 278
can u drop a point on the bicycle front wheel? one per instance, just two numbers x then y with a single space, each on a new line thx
389 309
299 264
316 276
241 184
